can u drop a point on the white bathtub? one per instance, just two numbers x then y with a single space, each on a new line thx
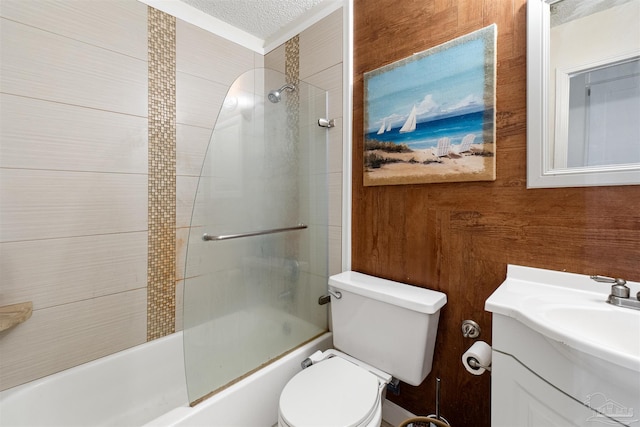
145 385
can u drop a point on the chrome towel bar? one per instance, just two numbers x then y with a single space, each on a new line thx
207 237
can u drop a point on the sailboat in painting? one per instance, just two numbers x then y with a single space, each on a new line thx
384 127
410 124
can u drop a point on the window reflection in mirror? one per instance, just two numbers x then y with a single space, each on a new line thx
594 83
604 116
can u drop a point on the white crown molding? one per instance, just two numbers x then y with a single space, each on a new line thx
220 28
312 16
207 22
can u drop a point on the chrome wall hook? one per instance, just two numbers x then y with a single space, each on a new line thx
326 123
470 329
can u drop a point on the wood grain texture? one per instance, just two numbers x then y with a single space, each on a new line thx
459 237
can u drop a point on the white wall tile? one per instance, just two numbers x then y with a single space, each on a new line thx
60 337
186 187
198 100
182 239
191 147
335 250
335 147
330 79
38 134
321 65
37 204
317 259
179 305
335 199
258 61
59 271
43 65
118 25
275 59
321 45
208 56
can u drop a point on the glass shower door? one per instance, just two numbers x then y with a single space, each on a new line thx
257 253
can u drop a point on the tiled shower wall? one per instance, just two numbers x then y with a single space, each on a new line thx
74 169
320 64
73 183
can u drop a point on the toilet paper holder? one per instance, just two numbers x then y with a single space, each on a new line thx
473 362
470 329
477 359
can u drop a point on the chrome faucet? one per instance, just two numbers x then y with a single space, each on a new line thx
620 293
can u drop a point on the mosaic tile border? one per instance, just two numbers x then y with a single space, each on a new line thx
161 287
292 76
292 61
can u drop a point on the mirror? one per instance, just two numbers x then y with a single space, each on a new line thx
583 93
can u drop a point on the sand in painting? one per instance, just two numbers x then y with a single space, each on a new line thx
423 166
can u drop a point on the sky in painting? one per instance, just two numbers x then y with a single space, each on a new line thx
447 82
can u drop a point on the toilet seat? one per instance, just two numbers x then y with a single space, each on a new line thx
334 392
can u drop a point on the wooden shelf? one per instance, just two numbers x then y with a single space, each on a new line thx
11 315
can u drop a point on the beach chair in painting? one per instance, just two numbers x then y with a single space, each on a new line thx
466 144
444 145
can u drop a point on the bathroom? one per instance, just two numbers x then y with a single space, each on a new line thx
456 237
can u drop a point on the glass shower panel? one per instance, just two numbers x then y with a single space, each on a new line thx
249 295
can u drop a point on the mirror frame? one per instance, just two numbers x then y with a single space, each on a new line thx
540 173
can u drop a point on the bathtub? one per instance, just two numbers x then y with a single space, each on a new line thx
145 386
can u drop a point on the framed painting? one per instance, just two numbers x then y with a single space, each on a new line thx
430 117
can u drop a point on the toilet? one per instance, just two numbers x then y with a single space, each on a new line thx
381 330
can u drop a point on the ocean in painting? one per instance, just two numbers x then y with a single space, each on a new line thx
427 133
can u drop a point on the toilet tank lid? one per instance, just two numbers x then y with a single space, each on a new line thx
401 294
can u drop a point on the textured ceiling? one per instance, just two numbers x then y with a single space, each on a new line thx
261 18
568 10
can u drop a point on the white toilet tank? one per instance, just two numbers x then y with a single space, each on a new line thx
389 325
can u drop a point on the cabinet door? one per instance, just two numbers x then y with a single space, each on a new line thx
520 398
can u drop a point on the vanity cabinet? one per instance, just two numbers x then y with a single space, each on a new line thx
562 355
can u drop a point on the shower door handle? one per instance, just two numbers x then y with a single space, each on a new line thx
207 237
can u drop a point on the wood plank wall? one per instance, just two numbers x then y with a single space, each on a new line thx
458 238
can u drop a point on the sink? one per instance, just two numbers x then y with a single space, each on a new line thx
562 355
571 309
607 327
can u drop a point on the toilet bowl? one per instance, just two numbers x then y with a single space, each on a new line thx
333 392
345 387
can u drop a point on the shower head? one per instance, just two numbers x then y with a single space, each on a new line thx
276 94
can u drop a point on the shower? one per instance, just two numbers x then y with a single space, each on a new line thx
276 94
258 242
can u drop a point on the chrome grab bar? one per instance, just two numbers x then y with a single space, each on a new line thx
207 237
